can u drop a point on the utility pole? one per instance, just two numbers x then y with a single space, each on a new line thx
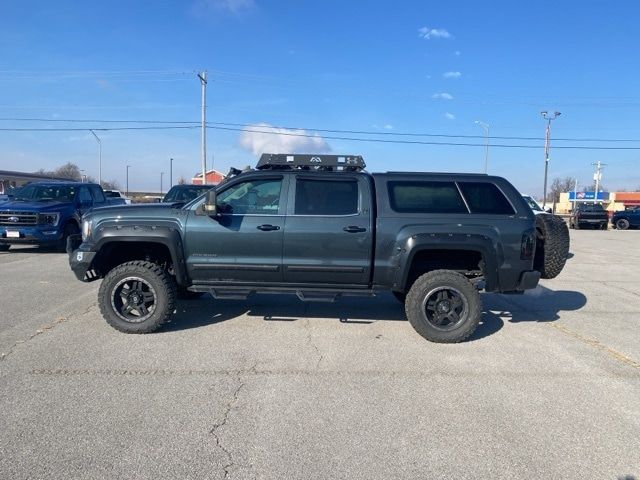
161 175
171 171
127 192
99 157
547 145
575 193
485 127
597 177
203 81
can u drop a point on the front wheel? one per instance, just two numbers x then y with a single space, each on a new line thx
69 229
4 247
622 224
137 297
443 306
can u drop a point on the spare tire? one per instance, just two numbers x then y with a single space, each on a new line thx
552 245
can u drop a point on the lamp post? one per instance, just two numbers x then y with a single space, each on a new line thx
99 157
485 127
127 192
547 143
161 175
171 171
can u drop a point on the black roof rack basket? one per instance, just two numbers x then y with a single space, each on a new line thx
331 163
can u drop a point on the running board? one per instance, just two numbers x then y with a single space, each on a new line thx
318 295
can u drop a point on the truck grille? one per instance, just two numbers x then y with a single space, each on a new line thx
14 219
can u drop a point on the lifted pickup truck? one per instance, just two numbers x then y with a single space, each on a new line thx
46 213
320 227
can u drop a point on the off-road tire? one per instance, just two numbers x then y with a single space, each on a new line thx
622 224
152 274
426 286
69 229
552 245
4 247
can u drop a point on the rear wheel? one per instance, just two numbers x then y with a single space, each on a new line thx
604 226
622 224
137 297
443 306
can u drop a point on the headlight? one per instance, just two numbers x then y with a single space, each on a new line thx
86 230
48 218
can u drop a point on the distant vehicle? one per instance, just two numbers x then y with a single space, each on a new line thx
535 206
589 214
183 194
115 194
46 213
626 219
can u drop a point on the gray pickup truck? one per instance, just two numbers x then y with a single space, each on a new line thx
320 227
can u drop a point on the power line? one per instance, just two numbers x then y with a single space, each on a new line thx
323 130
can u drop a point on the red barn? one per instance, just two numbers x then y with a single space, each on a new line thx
214 177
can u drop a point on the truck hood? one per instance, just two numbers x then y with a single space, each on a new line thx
131 211
28 206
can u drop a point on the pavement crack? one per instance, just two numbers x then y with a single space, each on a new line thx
225 418
41 330
313 344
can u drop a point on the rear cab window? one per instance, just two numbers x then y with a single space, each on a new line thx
408 196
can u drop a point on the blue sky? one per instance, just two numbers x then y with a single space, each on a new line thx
423 66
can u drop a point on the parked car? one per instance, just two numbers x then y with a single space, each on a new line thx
46 213
589 214
116 197
183 194
626 219
433 239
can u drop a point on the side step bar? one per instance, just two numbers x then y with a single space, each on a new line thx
318 295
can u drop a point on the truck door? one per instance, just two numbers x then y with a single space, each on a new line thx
243 243
328 230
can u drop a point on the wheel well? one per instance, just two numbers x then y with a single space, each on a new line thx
117 253
467 262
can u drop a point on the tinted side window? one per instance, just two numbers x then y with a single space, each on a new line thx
326 197
485 197
84 196
97 194
251 197
425 197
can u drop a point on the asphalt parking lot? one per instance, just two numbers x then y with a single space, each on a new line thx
272 388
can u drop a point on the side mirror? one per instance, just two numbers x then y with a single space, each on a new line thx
210 205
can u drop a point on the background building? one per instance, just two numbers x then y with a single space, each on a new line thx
214 177
612 201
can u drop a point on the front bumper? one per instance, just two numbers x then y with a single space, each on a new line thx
36 234
80 260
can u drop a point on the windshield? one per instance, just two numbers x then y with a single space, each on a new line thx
184 194
42 193
591 208
532 203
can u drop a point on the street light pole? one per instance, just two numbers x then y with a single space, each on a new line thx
99 157
127 193
171 171
161 175
547 145
485 127
203 82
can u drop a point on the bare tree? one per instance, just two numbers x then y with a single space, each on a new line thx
110 185
68 170
182 181
558 186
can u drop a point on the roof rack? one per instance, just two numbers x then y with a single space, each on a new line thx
331 163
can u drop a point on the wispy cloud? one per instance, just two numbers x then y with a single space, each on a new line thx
428 33
442 96
210 7
452 74
281 140
449 116
457 53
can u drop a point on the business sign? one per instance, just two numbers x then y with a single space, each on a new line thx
588 196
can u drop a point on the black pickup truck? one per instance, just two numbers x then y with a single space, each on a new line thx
589 214
320 227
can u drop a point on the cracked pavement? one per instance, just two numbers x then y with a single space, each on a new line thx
272 388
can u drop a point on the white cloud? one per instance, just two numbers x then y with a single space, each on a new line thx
388 127
236 7
452 74
429 33
457 53
442 96
449 116
282 140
